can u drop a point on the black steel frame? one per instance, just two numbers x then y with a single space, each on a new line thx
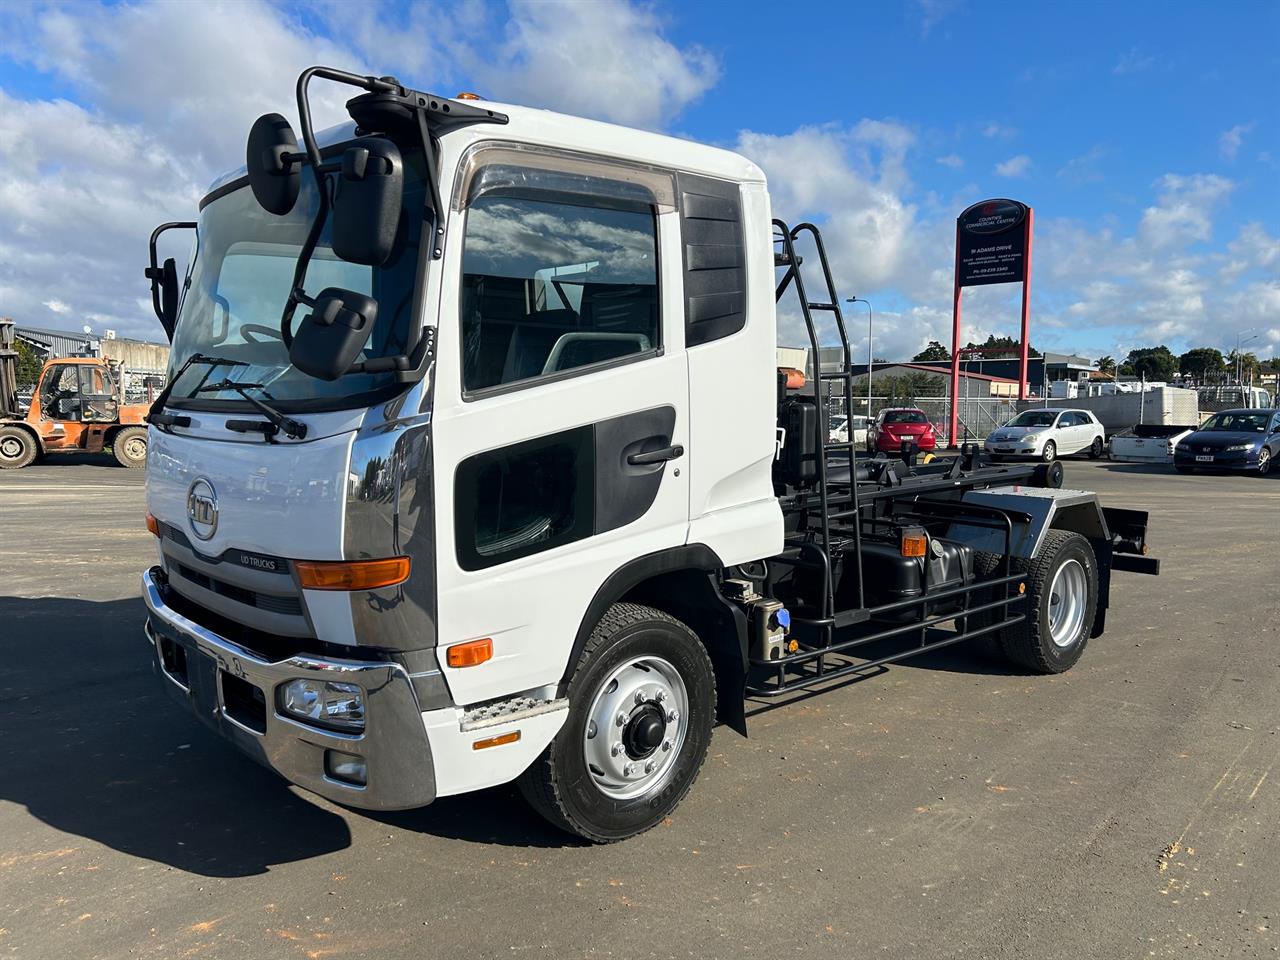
830 634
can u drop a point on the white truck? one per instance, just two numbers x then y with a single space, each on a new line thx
522 494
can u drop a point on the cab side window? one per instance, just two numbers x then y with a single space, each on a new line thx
554 283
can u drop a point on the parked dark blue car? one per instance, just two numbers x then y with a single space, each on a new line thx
1233 440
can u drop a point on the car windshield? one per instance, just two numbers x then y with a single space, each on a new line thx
1034 418
240 275
904 416
1237 421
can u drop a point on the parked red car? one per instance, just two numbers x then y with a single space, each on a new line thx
895 424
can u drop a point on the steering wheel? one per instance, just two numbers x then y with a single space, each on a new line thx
247 328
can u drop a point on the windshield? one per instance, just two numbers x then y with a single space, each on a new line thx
239 279
904 416
1237 422
1034 418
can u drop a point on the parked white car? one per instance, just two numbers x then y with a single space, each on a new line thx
1048 433
840 430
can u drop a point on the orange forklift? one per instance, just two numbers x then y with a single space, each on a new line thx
78 404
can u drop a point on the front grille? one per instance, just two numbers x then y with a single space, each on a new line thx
272 603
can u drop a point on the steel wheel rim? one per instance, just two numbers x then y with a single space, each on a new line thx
633 693
135 448
1067 596
10 448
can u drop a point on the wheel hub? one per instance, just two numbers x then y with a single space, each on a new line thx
10 448
636 727
1068 595
644 732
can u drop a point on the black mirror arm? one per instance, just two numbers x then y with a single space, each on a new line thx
318 170
155 273
433 183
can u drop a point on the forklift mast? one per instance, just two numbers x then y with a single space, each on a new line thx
8 370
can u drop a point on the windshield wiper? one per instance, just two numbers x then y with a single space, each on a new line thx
157 416
291 427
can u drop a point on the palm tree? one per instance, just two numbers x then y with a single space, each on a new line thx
1107 365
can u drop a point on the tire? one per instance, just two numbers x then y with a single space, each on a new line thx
1062 598
130 447
1265 462
18 448
1097 449
643 665
1183 468
1050 452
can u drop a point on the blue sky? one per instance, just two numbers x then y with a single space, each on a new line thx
1146 136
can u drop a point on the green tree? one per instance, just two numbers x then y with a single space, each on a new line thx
1202 362
995 347
29 364
934 351
1153 363
1107 365
1249 366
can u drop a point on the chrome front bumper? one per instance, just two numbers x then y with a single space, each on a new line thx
393 744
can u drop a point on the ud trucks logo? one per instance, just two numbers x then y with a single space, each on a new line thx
202 508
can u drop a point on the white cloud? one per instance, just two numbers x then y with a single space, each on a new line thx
1018 166
606 59
1230 142
998 131
1084 168
1132 61
57 306
952 160
1184 209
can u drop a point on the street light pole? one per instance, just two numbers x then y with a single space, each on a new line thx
1239 343
870 357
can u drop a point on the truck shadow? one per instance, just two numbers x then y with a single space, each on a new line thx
94 748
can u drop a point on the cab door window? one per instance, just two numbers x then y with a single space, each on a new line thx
97 398
60 393
555 283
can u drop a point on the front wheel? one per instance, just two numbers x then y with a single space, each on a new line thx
1096 449
1264 462
1050 452
641 709
130 446
17 448
1062 599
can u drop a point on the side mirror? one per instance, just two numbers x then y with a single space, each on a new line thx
366 210
331 336
164 281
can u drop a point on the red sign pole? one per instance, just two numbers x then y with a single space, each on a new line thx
1026 311
954 426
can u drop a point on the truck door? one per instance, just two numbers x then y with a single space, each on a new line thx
561 404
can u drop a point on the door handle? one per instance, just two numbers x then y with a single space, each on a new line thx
656 456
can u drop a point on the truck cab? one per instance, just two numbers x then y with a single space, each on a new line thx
471 466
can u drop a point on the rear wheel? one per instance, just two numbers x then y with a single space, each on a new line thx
18 448
641 709
1050 452
1096 449
1062 598
130 446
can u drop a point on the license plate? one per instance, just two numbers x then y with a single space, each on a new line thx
1204 458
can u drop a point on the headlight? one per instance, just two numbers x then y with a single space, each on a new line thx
321 702
1032 438
1238 447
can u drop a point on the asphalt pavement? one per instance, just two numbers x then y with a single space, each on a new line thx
948 807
